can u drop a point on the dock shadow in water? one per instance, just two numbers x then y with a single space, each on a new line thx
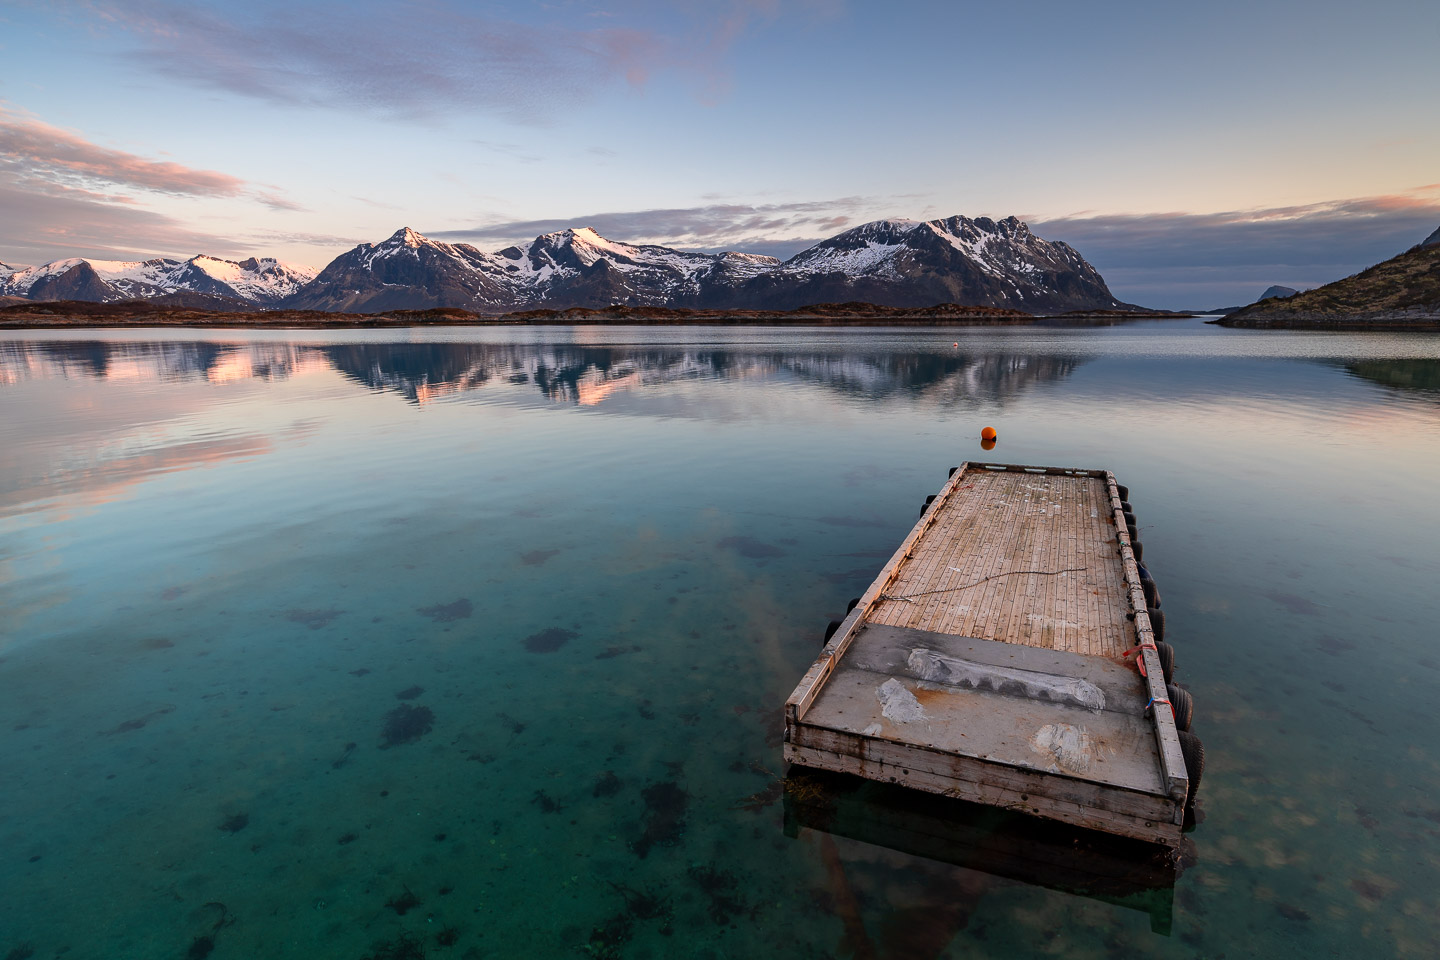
945 854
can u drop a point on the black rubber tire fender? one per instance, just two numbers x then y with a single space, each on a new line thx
1194 753
1182 704
1157 622
1166 653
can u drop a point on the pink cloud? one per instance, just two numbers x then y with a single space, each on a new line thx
35 149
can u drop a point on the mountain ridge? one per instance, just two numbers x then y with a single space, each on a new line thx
895 263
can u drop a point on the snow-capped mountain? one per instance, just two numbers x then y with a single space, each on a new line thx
897 263
909 263
893 263
263 282
407 271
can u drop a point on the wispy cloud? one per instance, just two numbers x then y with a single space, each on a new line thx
32 149
779 229
416 59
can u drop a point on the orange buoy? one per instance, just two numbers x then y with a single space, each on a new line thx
988 434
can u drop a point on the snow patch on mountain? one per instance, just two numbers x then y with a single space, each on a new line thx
259 279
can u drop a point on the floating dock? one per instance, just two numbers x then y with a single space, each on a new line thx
1007 654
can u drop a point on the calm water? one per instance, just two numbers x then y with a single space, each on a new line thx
471 642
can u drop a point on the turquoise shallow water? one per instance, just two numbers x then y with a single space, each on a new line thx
577 571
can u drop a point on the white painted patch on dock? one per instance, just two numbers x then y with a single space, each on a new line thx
1063 746
898 704
1010 681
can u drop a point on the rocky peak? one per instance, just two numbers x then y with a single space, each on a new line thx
405 237
1275 290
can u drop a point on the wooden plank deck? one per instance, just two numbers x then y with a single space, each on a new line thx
1020 558
985 661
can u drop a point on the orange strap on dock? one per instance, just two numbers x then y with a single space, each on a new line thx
1139 660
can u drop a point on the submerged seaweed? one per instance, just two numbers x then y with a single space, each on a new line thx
406 724
203 945
235 822
344 757
720 886
314 619
403 947
448 612
404 903
546 803
665 807
549 640
607 940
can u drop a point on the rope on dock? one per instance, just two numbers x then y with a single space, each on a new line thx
911 597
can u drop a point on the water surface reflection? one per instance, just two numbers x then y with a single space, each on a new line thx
312 625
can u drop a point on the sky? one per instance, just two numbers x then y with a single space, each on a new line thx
1194 153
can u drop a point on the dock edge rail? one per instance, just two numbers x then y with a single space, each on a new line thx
1167 740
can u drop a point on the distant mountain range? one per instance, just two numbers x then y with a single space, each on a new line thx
261 283
895 263
1403 291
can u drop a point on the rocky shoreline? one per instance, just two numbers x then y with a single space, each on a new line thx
142 313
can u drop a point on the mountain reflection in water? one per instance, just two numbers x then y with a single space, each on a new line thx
564 373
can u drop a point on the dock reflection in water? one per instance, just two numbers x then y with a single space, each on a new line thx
958 851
